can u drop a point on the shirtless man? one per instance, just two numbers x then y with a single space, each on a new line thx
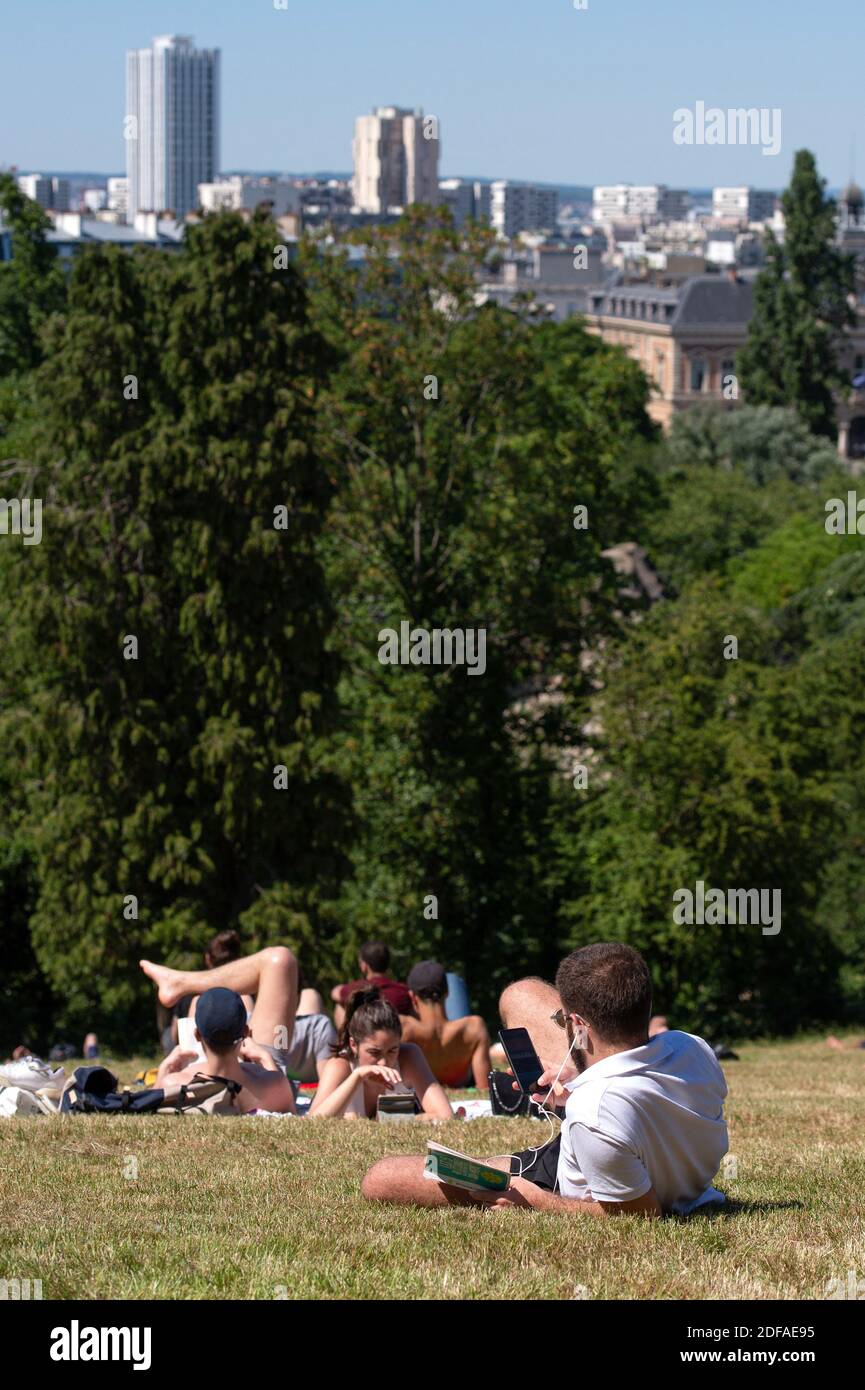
252 1053
230 1052
458 1049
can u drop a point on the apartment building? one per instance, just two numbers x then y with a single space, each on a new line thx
47 191
743 204
685 337
459 196
172 124
522 207
244 192
640 202
396 157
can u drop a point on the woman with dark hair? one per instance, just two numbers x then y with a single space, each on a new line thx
370 1060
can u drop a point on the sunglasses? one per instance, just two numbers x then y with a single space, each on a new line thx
560 1018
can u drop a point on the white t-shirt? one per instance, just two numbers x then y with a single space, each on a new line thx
649 1117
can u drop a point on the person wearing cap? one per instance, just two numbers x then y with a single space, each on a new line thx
230 1052
457 1049
272 977
287 1021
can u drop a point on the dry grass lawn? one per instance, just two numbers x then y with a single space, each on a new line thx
145 1207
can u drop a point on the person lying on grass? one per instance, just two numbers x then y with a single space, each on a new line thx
230 1052
644 1126
286 1021
370 1060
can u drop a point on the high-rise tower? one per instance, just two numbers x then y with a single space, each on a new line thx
172 124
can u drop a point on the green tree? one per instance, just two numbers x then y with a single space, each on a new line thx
31 284
706 769
801 308
183 505
758 443
791 559
729 479
465 438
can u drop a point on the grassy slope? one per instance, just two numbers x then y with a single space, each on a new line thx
268 1209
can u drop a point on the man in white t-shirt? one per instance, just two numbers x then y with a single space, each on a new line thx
644 1126
647 1119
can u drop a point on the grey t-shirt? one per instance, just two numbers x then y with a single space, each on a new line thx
310 1043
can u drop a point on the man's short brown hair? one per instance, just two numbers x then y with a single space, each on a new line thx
376 955
608 985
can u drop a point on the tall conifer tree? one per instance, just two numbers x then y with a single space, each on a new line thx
801 307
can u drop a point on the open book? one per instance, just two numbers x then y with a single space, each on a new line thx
458 1170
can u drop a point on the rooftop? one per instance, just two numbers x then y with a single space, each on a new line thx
701 299
73 227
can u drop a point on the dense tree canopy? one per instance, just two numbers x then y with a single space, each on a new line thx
171 627
250 470
31 283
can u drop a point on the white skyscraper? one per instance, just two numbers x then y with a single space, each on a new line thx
396 155
172 124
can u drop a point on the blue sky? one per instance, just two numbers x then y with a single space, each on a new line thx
522 90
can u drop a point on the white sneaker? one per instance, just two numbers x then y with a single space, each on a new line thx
31 1074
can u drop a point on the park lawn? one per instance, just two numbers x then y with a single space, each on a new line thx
248 1208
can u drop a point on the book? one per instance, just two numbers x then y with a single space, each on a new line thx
459 1170
187 1039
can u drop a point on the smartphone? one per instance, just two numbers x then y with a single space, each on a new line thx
524 1062
398 1107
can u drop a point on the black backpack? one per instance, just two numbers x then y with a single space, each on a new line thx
93 1091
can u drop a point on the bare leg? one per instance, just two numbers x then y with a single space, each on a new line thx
271 975
529 1004
310 1002
400 1179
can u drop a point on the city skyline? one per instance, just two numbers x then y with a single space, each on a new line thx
584 111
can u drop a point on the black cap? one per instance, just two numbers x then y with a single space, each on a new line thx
220 1017
427 975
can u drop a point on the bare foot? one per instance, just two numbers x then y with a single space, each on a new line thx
169 982
836 1043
